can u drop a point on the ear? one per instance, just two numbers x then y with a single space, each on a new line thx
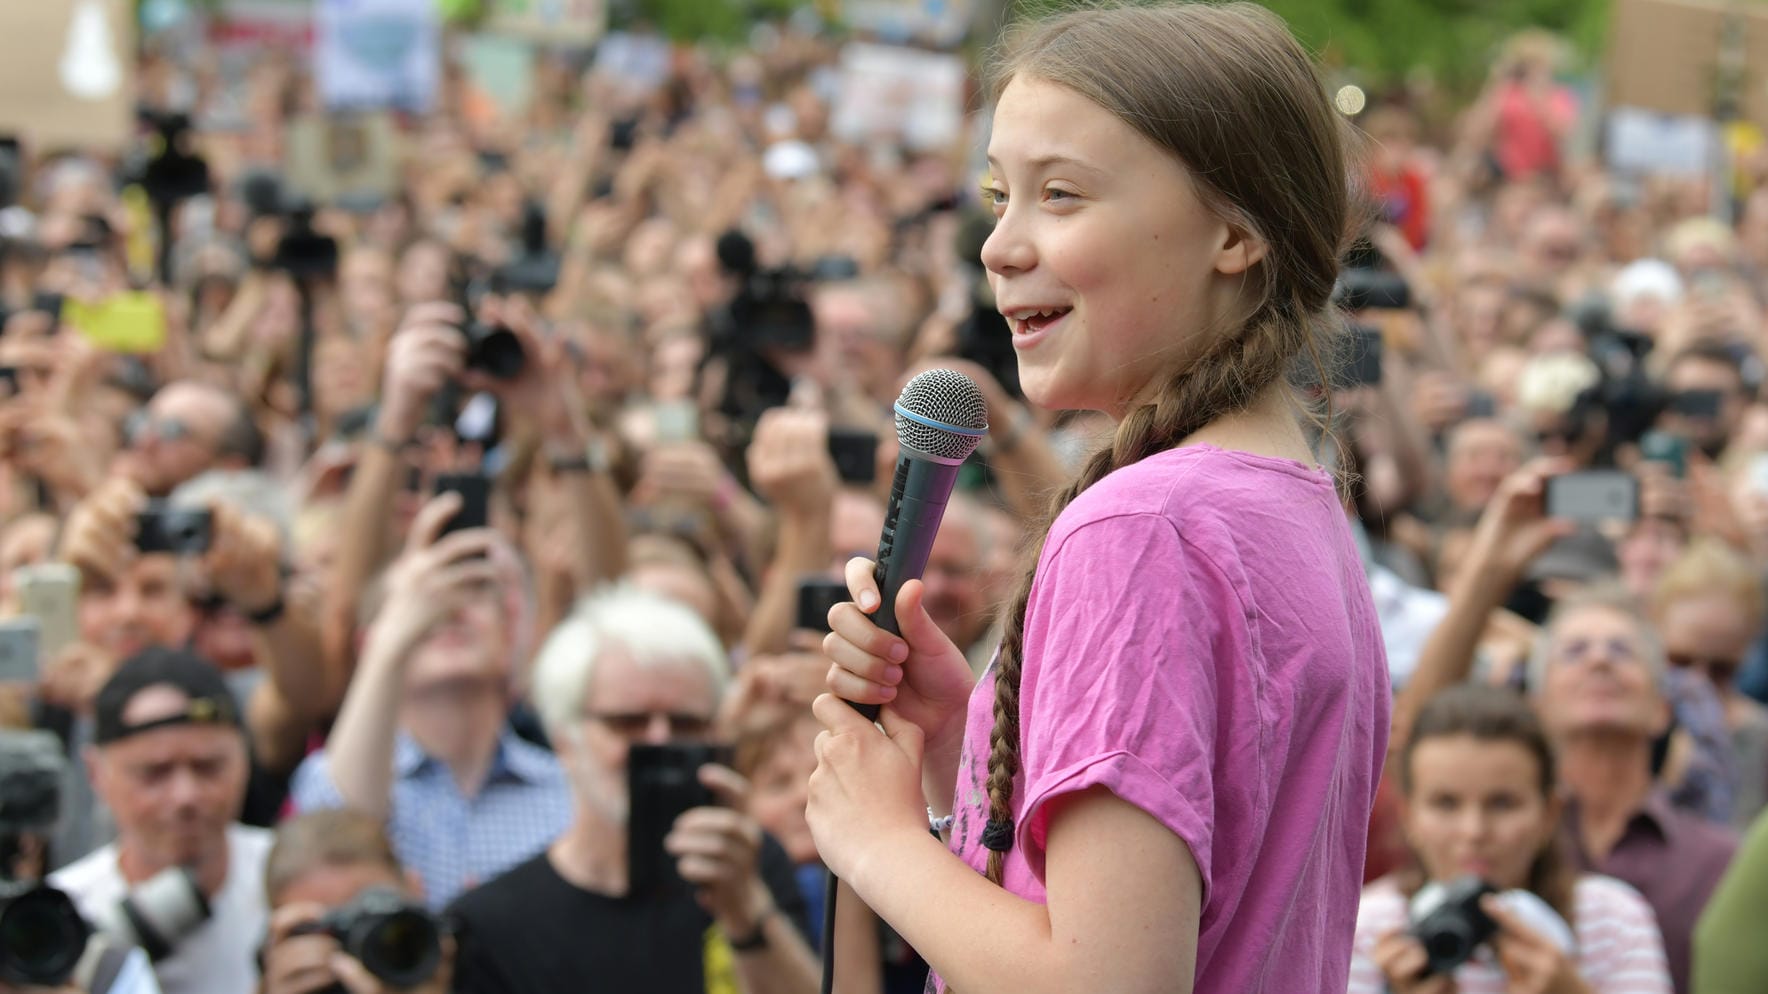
1239 250
414 884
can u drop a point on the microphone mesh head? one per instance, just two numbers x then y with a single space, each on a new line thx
949 399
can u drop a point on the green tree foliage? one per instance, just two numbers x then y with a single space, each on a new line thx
1386 40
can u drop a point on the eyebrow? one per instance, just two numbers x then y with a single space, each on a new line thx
1047 160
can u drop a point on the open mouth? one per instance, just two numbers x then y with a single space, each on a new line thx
1030 323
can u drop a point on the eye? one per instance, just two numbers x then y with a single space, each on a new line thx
994 197
1056 193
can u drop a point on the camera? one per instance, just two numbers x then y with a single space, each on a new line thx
31 769
492 349
180 531
663 783
42 935
1455 925
158 913
1360 289
397 940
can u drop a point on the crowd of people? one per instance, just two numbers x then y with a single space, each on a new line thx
432 523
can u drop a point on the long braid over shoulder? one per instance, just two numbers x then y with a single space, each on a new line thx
1229 92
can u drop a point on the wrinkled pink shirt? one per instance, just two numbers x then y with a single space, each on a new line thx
1201 642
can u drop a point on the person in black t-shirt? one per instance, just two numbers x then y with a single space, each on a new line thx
631 667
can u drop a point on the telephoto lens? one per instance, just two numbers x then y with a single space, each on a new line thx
158 913
397 939
42 935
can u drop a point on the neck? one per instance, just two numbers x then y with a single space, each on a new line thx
1610 776
591 855
464 738
210 867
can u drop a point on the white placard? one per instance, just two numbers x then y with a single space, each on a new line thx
372 54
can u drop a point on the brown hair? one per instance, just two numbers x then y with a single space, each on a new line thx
1488 714
335 838
1228 91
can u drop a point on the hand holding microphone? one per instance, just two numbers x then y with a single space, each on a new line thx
884 647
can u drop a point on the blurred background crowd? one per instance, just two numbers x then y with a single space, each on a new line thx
432 433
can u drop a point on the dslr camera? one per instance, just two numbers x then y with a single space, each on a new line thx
398 940
42 935
182 531
1456 926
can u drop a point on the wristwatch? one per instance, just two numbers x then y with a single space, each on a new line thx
756 939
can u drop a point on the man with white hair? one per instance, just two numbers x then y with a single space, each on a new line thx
628 668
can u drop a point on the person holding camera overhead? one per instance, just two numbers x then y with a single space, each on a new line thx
1481 801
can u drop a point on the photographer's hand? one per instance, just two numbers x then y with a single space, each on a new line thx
1402 961
1532 963
244 561
100 532
426 352
297 964
718 850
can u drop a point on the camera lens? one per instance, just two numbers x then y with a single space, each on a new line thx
41 938
1449 944
495 350
403 948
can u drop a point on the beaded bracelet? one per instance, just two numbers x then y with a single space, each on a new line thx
939 825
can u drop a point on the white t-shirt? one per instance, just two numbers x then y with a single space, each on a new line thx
220 957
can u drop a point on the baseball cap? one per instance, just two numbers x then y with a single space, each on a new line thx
210 702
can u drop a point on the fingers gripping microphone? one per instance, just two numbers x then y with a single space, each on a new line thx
940 419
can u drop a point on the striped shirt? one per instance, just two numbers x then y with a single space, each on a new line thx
455 842
1619 948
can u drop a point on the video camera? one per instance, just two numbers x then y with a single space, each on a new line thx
172 172
397 939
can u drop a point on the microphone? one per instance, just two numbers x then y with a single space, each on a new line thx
940 419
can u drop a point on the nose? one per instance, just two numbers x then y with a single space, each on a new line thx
185 789
657 730
1007 249
1473 823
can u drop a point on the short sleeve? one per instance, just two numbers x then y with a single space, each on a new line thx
1382 910
312 788
1121 686
1622 948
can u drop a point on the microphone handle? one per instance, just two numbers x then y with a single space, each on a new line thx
918 495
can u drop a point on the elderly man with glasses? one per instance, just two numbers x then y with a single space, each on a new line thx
1598 682
721 912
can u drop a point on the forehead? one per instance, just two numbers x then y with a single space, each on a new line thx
188 400
620 683
1598 620
1451 761
331 885
1037 122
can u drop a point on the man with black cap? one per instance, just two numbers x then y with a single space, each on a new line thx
169 758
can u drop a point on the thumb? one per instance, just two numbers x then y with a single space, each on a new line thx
913 621
353 975
906 734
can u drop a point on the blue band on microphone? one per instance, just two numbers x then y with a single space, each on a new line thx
939 425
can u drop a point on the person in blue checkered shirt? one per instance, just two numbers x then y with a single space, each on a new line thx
423 738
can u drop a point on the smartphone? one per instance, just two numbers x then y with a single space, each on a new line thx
855 452
1671 450
18 650
1697 403
663 783
1759 474
50 593
816 596
132 322
9 381
676 421
1593 496
182 531
1481 404
475 500
48 303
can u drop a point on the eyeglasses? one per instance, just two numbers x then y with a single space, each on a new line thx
1582 649
141 424
1716 668
634 724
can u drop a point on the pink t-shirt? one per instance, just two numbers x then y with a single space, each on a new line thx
1201 641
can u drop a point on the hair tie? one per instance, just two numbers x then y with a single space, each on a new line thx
997 835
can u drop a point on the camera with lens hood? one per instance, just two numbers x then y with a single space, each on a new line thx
1455 926
158 913
42 935
397 939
